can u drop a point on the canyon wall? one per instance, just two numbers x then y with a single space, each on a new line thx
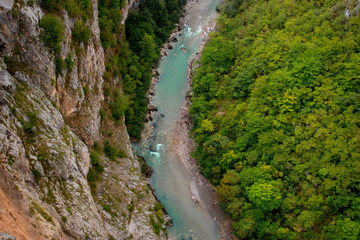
48 124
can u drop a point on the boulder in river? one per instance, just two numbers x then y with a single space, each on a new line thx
195 200
173 39
152 108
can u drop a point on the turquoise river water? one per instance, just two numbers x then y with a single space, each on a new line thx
171 179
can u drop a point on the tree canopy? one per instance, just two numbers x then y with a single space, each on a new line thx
276 114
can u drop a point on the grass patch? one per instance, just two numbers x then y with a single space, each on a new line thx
42 212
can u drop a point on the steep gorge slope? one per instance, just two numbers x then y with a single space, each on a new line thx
49 119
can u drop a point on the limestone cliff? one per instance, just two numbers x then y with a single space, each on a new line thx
48 123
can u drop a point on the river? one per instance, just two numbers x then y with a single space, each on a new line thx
175 183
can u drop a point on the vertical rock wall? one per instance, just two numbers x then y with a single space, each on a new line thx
47 123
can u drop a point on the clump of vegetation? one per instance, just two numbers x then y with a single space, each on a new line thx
158 206
42 212
119 106
113 153
82 32
156 226
59 66
94 171
37 175
30 126
86 90
53 33
276 118
75 8
96 161
69 62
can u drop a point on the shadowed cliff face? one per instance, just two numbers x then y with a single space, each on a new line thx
48 121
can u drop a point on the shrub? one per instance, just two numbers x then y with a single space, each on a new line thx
59 66
53 33
81 32
30 3
119 106
72 8
96 161
69 62
158 206
52 5
110 151
113 153
102 114
86 90
37 175
30 126
155 225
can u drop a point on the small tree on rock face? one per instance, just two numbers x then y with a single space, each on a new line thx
81 32
53 33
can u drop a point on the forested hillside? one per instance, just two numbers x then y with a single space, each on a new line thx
276 114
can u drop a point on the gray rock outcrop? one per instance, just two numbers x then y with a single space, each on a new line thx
47 124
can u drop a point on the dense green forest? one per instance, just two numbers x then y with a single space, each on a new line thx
276 114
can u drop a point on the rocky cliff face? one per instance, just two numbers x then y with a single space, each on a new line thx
47 125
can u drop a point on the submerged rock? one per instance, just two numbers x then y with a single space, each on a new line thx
152 108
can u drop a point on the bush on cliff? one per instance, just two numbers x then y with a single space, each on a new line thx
53 33
82 32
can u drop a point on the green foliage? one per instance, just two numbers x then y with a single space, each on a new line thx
82 32
264 195
59 66
94 171
96 161
42 212
86 90
276 111
53 33
31 3
158 206
69 62
37 175
30 126
119 106
155 225
147 49
52 5
72 8
156 18
113 153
